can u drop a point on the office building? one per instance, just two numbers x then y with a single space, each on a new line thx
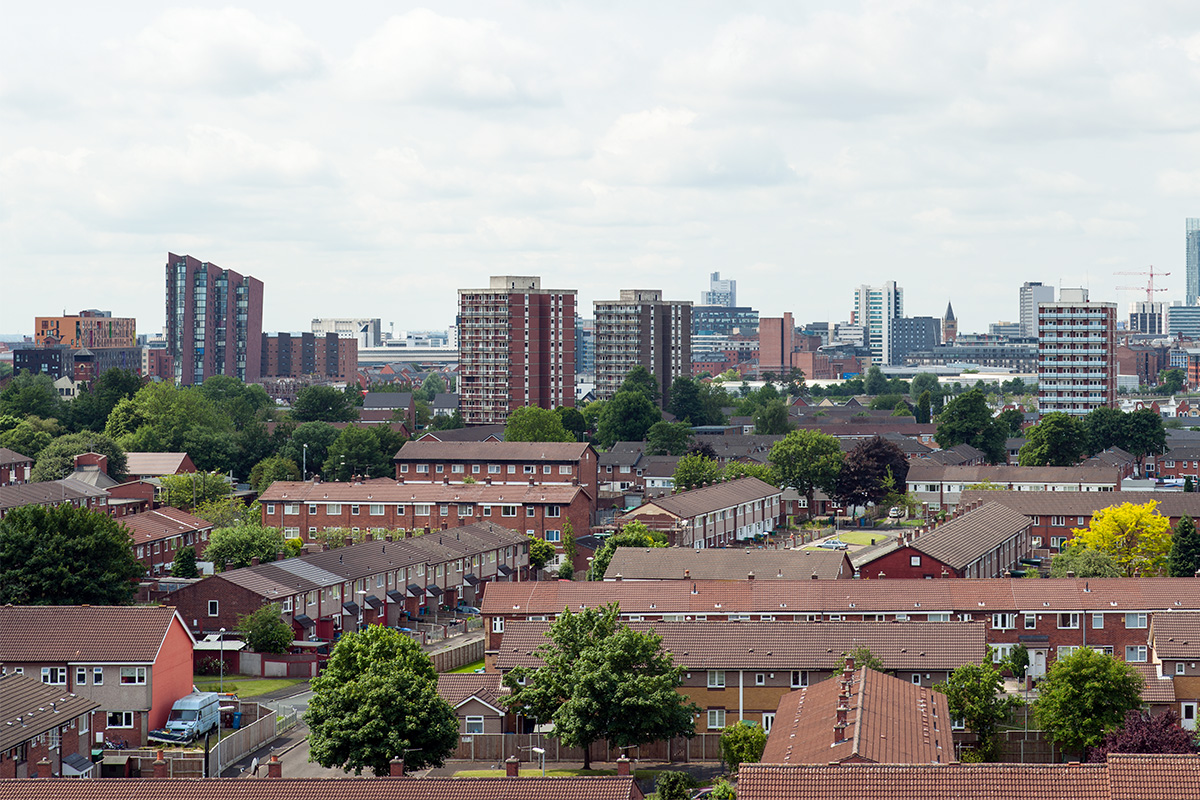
1032 293
367 330
874 306
1147 317
724 321
911 334
214 321
1077 364
1005 330
1192 290
91 329
516 348
640 328
776 343
294 355
1183 321
720 293
585 349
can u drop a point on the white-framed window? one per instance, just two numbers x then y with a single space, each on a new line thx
214 608
1135 620
81 676
1066 650
1001 652
530 469
84 723
1057 522
1004 621
270 508
768 721
497 624
404 467
799 678
546 468
914 561
474 725
54 675
564 469
554 511
457 469
333 508
916 679
421 509
1097 621
487 511
375 509
444 509
716 679
1068 620
422 469
958 724
466 509
1135 652
286 607
530 511
291 532
1179 668
942 617
508 511
354 509
97 676
553 536
493 469
439 469
1030 621
716 719
1058 542
133 676
312 508
120 719
760 679
291 508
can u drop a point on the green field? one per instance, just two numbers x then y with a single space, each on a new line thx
862 537
243 686
474 665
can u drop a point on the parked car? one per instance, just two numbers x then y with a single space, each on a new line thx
833 544
463 608
895 512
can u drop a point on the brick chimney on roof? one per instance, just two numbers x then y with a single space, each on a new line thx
512 767
160 765
839 728
348 541
750 576
254 561
396 768
445 525
623 767
274 767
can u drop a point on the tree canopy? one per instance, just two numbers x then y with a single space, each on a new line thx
694 470
863 477
1184 559
191 489
57 459
1085 695
323 404
686 403
243 542
808 460
601 680
1058 440
31 394
1084 562
634 534
265 631
533 424
771 419
1143 732
975 694
63 555
967 420
742 742
640 380
375 700
668 438
627 417
361 450
1136 536
271 469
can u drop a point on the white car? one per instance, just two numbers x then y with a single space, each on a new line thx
896 512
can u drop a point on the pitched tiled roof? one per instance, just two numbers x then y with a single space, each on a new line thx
29 708
890 721
679 563
624 454
1176 636
12 457
83 634
1073 504
913 596
472 433
707 499
388 400
1157 689
905 646
154 463
457 688
524 788
958 454
496 451
962 540
924 470
163 523
386 490
47 493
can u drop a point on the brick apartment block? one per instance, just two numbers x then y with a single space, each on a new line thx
160 534
545 463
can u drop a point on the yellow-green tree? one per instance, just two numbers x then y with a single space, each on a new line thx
1137 537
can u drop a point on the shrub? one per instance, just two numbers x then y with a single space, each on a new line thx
674 785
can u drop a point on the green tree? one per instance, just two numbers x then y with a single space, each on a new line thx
875 382
742 742
924 382
191 489
864 476
243 542
591 414
1018 661
240 403
431 387
723 790
668 438
714 398
771 419
63 555
31 394
1056 441
1137 537
184 565
670 785
923 412
1145 435
264 630
686 403
741 469
357 451
806 461
967 420
319 436
273 469
1084 696
573 422
447 422
540 553
93 405
533 424
641 381
1106 427
1172 380
1084 562
1012 421
226 511
695 470
863 657
975 694
634 534
902 409
30 436
600 680
375 700
626 418
323 404
1184 559
57 459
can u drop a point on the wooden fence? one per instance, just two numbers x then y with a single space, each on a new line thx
457 656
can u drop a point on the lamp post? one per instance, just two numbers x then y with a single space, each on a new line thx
222 650
304 469
541 751
221 642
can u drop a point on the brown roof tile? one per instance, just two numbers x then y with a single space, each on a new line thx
709 498
967 537
1176 636
154 463
163 523
29 708
1073 504
456 688
12 457
77 634
385 490
1157 689
635 563
923 470
493 451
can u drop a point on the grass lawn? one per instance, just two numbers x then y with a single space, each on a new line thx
474 665
243 686
864 536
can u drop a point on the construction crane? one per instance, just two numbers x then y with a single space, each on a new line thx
1149 287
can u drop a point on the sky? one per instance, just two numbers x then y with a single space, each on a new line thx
371 158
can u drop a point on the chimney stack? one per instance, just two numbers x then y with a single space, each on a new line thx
750 576
427 529
445 525
324 546
839 728
623 767
228 566
274 767
254 561
160 765
348 541
396 768
280 555
512 767
687 573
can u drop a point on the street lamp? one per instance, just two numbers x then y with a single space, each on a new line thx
541 751
304 469
221 642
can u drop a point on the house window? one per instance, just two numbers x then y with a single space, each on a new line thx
286 608
1030 621
1179 668
466 510
439 469
270 508
135 676
497 624
1000 652
312 508
354 509
457 470
716 719
760 679
1135 652
553 511
444 509
716 679
1068 620
474 725
422 469
421 509
333 508
564 469
120 719
530 469
291 508
97 676
1057 542
916 679
553 536
214 608
1097 621
54 675
914 561
943 617
1135 620
1065 651
799 678
474 469
375 509
530 511
768 721
1004 621
958 724
1058 522
80 676
508 511
404 467
512 469
487 511
493 469
546 468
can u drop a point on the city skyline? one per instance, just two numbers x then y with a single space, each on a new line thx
395 153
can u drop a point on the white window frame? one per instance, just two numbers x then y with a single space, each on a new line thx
55 676
97 676
497 624
799 678
214 608
136 676
716 679
716 719
81 676
1140 653
473 725
1072 619
119 719
1139 620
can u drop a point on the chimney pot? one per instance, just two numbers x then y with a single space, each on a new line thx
160 765
274 767
324 546
445 525
512 767
687 573
623 767
395 768
254 561
426 529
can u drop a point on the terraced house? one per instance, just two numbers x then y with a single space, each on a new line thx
713 516
543 463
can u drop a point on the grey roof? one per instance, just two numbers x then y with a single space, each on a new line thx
707 499
923 470
387 400
623 454
12 457
732 563
471 433
30 708
962 540
47 493
445 400
1079 504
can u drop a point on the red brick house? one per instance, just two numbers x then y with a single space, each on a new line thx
477 700
133 661
154 465
545 463
160 534
14 467
44 729
713 516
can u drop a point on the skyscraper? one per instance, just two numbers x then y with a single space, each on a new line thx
1077 363
214 321
640 328
1032 293
516 348
874 306
720 293
1192 290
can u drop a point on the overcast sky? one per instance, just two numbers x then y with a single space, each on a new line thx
370 158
